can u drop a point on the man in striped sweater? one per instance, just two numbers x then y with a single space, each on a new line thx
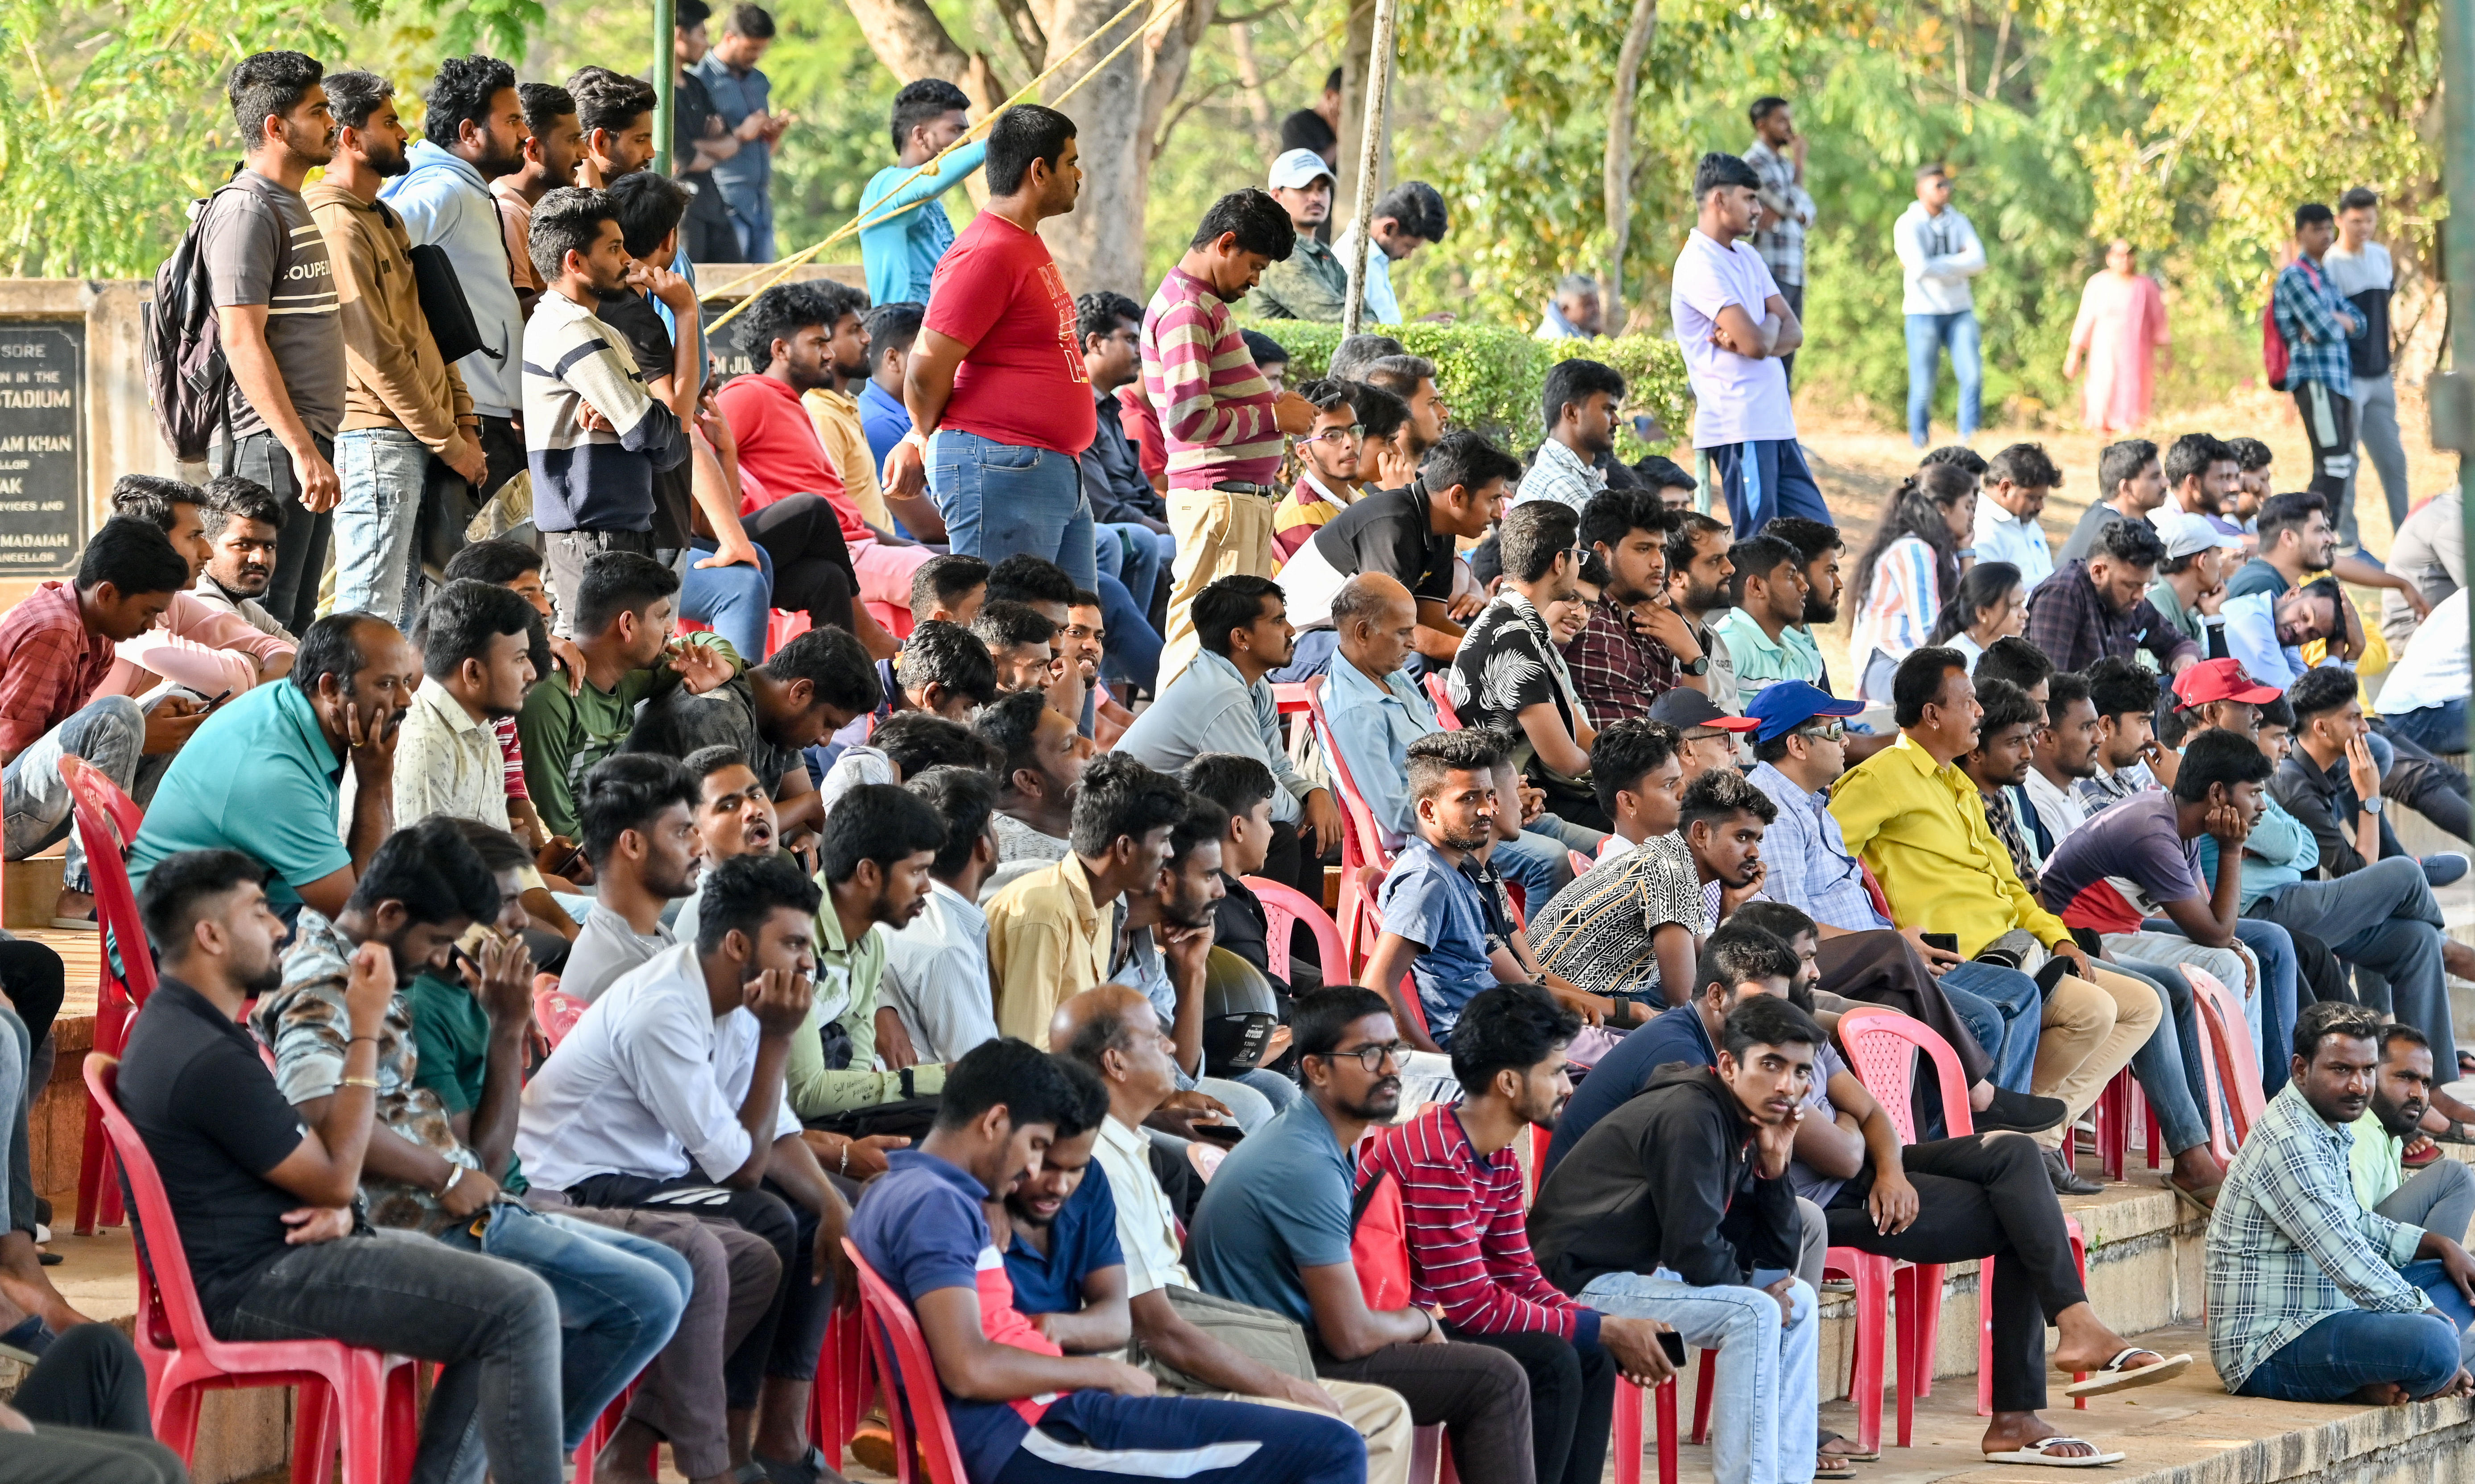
1222 422
1469 1253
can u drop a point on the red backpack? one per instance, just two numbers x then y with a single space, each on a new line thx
1378 1244
2275 358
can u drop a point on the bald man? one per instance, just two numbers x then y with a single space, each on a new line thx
1115 1032
1375 711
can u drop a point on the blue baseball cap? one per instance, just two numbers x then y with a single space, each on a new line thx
1788 704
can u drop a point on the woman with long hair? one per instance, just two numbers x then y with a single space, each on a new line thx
1911 562
1991 603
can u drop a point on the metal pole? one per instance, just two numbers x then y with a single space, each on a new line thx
2452 398
665 88
1370 158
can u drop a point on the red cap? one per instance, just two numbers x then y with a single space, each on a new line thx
2221 680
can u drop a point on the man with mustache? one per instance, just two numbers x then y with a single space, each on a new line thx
2439 1197
240 522
404 405
733 816
641 841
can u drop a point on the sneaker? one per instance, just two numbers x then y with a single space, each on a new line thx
2445 867
2018 1113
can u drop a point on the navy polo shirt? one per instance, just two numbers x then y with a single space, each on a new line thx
1081 1241
1671 1036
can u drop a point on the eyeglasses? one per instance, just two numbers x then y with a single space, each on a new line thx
1347 434
1373 1055
1831 731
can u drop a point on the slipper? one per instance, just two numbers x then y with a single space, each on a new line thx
2455 1133
2203 1200
1833 1466
2422 1153
2035 1453
1850 1452
2112 1376
26 1343
83 924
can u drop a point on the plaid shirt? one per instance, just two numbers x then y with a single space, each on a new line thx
2076 627
1618 671
2307 305
2005 824
2290 1246
49 666
1782 245
1557 474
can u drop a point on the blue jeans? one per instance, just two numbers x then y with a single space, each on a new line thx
1927 335
1762 1420
1000 498
1136 556
735 601
2346 1352
2440 728
1765 479
1132 655
2003 1009
108 733
2167 1064
381 470
2383 920
619 1299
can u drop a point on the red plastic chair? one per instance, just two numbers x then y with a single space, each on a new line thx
1437 692
365 1396
107 826
1582 862
1881 1046
1283 909
2236 1067
841 1395
554 1010
898 1361
1361 842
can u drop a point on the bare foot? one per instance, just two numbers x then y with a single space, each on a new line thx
2382 1394
2457 958
75 906
2010 1431
25 1284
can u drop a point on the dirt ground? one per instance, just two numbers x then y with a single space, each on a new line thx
1860 463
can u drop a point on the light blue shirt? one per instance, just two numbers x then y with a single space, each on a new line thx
1373 725
2004 537
901 252
444 200
1210 708
747 174
2278 853
1380 307
2251 637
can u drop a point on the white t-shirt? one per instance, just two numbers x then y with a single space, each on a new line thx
2434 671
1738 399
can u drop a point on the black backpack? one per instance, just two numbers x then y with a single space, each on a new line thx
187 378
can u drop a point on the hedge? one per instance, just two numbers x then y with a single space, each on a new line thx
1492 377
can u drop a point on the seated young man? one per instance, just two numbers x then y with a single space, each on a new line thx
1469 1257
195 645
668 1093
2441 1196
638 815
1509 671
2311 1298
1676 1207
1086 640
1243 787
1021 1410
79 1416
875 855
950 588
811 687
1951 1201
1040 759
620 1295
1273 1232
1114 1030
936 981
266 1208
1328 474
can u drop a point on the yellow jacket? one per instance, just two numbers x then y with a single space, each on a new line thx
1921 831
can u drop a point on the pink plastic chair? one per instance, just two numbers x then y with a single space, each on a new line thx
363 1395
2237 1067
1437 693
555 1010
897 1352
1582 862
1361 842
1283 909
107 826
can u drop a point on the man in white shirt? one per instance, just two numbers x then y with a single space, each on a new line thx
2017 482
1733 325
2358 269
2425 695
734 817
1114 1030
937 965
640 833
1939 253
2430 551
668 1093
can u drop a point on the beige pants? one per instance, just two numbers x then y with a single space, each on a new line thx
1379 1414
1219 534
2089 1033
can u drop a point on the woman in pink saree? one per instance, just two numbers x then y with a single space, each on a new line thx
2120 329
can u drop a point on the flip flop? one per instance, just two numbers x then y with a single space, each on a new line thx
1833 1466
2035 1453
2112 1376
1849 1454
26 1343
2203 1200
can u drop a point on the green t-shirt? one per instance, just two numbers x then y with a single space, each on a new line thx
565 734
450 1037
2377 1162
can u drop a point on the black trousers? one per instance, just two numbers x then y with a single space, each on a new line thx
811 562
86 1399
785 1343
2329 427
1983 1196
1478 1393
35 981
1884 968
1572 1402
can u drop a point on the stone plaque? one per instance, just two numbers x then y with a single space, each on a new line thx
42 447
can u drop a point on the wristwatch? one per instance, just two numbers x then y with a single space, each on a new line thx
2373 805
1699 665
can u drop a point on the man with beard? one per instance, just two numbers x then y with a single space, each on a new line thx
1510 676
2098 608
403 405
876 850
1633 648
2202 474
833 409
1041 759
2130 485
621 1293
1222 702
1273 1232
937 966
641 836
2311 1296
1762 632
240 521
2441 1196
592 435
556 144
274 291
1822 549
1699 578
1469 1258
473 133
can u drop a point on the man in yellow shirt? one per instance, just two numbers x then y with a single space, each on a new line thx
1052 933
1919 823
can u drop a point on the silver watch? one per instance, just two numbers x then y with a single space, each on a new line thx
2373 805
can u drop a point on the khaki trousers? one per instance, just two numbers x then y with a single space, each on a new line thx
2090 1032
1219 534
1379 1414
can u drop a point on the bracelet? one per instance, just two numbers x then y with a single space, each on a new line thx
370 1083
844 1168
454 1173
371 1039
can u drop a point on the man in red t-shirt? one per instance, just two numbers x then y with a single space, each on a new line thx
996 377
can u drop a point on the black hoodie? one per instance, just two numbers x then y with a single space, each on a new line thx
1666 1180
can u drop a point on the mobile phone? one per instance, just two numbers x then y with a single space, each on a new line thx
1674 1344
569 864
217 702
1948 943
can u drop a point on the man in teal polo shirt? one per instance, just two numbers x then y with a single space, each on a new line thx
263 776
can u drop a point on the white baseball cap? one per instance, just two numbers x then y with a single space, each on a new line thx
1298 168
2188 535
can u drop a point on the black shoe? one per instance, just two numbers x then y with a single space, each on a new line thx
2066 1182
2018 1113
808 1468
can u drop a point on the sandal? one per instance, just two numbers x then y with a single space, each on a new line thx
1847 1449
2112 1376
2455 1133
1833 1466
2035 1453
2203 1199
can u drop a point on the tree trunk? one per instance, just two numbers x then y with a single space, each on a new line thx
913 43
1259 104
1616 172
1357 62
